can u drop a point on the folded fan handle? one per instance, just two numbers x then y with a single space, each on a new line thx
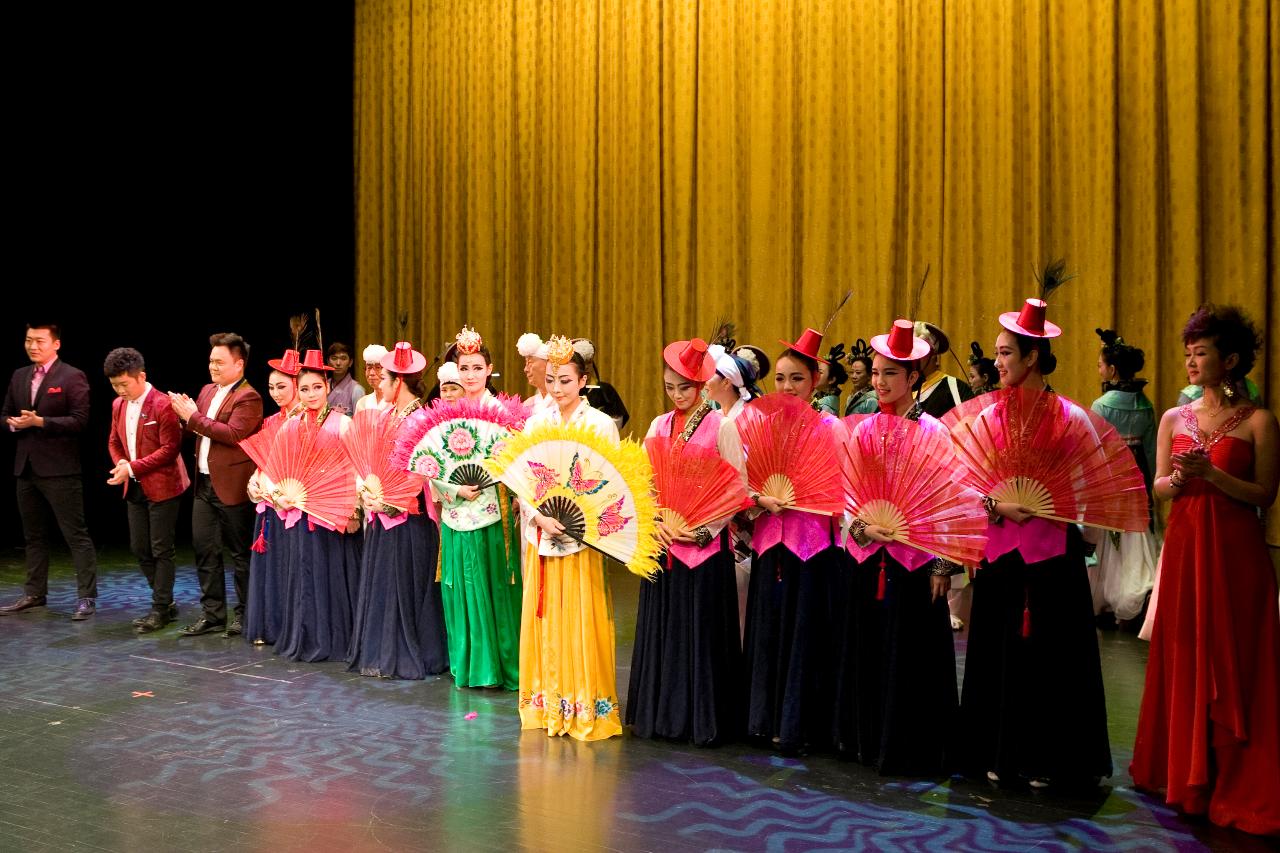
580 540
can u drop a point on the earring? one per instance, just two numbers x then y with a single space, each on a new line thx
1229 390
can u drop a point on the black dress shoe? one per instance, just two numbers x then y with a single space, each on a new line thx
153 621
172 611
25 603
234 629
205 625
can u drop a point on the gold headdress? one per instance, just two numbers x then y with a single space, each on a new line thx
468 341
559 350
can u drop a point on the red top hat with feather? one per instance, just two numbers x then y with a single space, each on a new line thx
690 359
901 344
287 364
314 360
810 344
404 359
1031 320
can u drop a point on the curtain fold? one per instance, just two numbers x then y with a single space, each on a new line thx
633 170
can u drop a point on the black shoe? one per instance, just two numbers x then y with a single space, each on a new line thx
172 610
25 603
153 621
85 608
234 629
205 625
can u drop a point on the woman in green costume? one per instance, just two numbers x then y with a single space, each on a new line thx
480 550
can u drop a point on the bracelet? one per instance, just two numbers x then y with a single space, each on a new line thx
755 498
989 503
1175 480
858 530
702 536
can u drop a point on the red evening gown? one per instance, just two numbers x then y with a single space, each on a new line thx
1209 728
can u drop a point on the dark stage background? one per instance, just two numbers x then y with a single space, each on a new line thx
176 170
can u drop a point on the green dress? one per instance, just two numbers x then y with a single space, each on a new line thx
481 586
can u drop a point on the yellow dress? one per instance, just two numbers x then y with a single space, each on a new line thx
568 678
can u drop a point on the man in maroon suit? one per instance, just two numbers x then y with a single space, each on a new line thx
46 408
227 411
145 444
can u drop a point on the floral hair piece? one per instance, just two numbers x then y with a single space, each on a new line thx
468 341
559 350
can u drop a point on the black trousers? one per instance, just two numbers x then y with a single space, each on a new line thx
215 528
152 525
64 498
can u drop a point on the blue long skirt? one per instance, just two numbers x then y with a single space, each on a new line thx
399 625
320 586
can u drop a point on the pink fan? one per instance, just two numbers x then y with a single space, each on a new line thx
1041 450
901 475
791 454
369 443
311 471
258 445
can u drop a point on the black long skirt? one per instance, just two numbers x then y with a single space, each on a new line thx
262 612
319 592
399 627
789 647
1033 704
896 681
686 667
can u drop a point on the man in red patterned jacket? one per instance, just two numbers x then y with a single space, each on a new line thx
145 444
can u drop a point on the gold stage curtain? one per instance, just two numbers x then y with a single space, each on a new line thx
632 170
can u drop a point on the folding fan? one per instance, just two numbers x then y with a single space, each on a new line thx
258 445
901 475
452 439
311 471
369 443
1041 450
791 454
695 486
596 488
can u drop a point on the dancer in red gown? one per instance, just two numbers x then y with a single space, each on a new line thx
1209 728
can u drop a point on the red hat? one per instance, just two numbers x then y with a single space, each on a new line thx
404 359
314 360
287 363
810 344
1031 320
690 359
901 344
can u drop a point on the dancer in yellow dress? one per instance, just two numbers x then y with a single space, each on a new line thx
568 676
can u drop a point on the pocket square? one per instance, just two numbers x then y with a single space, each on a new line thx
57 389
150 423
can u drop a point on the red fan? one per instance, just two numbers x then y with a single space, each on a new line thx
1041 450
369 442
901 475
791 454
311 471
695 486
258 445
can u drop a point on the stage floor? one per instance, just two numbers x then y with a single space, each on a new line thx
111 741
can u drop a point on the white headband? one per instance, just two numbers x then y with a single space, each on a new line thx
727 367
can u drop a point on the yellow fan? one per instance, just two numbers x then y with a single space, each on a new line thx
600 490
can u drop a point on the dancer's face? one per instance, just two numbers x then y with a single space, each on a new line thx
793 377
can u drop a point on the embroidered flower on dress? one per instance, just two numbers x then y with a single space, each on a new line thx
566 708
604 707
539 700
